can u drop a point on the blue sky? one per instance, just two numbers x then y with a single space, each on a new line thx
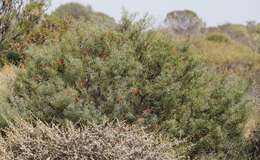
213 12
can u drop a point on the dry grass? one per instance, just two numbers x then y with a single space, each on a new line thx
7 78
105 142
224 54
251 125
253 143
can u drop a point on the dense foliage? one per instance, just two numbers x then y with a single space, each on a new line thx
126 73
17 18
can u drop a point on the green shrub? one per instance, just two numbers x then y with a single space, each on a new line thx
85 13
50 29
219 38
75 10
50 86
130 73
193 104
18 18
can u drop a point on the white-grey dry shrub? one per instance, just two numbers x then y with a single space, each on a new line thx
104 142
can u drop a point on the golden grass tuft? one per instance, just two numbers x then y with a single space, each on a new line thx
7 79
226 53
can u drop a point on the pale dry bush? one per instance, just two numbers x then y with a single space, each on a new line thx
7 78
104 142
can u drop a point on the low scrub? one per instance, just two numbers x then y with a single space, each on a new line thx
132 73
24 141
220 38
